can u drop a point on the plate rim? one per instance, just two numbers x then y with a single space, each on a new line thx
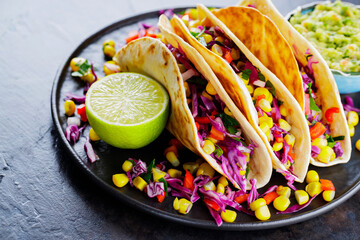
176 218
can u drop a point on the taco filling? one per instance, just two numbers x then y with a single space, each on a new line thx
218 131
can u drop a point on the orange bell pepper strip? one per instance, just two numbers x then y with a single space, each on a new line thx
132 36
262 96
212 204
317 130
228 57
161 197
203 119
270 197
176 143
327 185
189 181
172 148
216 134
329 114
242 198
291 153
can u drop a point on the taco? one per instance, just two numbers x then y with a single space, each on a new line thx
202 117
329 131
257 92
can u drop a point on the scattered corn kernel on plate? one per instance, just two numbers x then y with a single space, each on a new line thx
105 167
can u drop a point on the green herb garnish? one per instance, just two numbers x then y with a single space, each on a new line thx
247 171
246 74
270 87
313 105
218 151
165 185
84 68
261 77
197 80
330 140
339 138
147 176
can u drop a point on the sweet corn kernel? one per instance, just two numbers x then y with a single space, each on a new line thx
93 136
281 203
313 188
220 188
205 169
109 50
235 54
176 204
319 142
312 176
76 62
127 166
139 183
187 89
210 186
283 191
193 13
264 127
69 107
171 157
352 118
228 215
207 37
223 181
109 42
210 89
263 213
242 172
283 110
326 155
228 112
263 91
157 174
268 120
192 167
250 88
284 125
328 195
290 139
278 146
184 206
301 196
111 67
264 105
214 141
208 147
88 77
217 50
258 203
205 94
357 144
219 39
351 130
120 179
174 173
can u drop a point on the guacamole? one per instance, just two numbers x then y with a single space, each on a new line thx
334 29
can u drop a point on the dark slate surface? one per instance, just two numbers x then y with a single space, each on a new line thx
43 194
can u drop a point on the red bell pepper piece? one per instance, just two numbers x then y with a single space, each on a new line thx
176 143
81 110
329 114
189 181
212 204
327 185
242 198
161 197
317 130
204 119
216 134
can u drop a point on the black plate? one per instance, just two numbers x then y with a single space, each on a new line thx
345 177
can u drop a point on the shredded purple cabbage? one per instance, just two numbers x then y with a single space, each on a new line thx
139 168
194 102
93 72
215 215
289 177
130 179
349 101
254 73
167 12
210 106
338 149
90 151
277 110
75 98
315 150
270 189
72 133
253 195
350 108
155 188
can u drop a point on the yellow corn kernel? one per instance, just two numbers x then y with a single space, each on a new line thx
192 167
157 174
352 118
313 188
242 172
264 105
262 91
88 77
176 204
290 139
187 89
111 67
283 110
247 155
210 186
139 183
184 206
207 37
171 157
205 169
250 88
228 215
328 195
351 130
69 107
278 146
263 213
120 179
301 197
268 120
210 89
109 50
281 203
109 42
76 62
185 19
220 188
174 173
127 166
193 13
326 155
319 142
205 94
312 176
214 141
93 136
223 181
283 191
217 50
228 112
264 127
235 54
357 144
208 147
258 203
284 125
219 39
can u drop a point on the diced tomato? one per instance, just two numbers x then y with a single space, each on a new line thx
173 149
329 114
197 125
153 35
242 198
270 197
317 130
212 204
228 57
189 181
204 119
214 113
307 104
327 185
279 139
216 134
161 197
81 110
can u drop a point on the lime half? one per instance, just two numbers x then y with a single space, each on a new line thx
127 110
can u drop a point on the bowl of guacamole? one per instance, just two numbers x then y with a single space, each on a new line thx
334 29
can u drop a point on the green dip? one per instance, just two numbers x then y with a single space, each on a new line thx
334 29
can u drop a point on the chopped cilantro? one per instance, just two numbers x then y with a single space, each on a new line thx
308 56
254 101
197 80
218 151
165 185
339 138
147 176
246 74
261 77
83 69
132 161
229 122
313 105
330 140
270 87
247 171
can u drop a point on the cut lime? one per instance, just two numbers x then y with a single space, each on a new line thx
127 110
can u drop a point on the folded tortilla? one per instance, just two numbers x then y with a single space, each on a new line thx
237 90
152 58
237 19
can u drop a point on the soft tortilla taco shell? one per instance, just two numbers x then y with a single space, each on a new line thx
324 79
